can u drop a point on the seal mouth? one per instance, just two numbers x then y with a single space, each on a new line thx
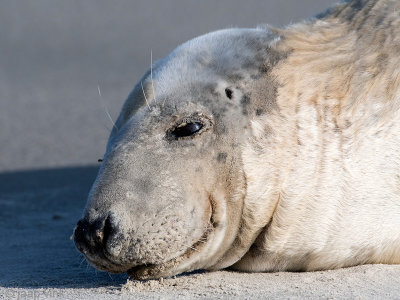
149 271
170 267
102 263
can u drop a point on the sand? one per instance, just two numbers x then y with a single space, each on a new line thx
54 127
364 282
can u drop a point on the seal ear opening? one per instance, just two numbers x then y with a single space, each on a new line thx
229 93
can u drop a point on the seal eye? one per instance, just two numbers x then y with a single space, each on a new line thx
186 129
228 93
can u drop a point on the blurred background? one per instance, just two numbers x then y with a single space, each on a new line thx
54 54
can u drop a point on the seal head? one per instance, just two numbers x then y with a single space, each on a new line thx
169 194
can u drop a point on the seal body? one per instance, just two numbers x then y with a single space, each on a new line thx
257 149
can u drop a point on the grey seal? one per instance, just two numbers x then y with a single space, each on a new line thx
259 150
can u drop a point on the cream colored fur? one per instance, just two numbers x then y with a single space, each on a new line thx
327 177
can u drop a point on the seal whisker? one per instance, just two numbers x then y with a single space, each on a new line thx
144 94
202 241
82 260
191 247
165 207
151 74
105 108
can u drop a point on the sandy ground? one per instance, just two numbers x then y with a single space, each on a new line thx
53 124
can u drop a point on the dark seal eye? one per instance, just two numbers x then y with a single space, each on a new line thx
228 93
186 129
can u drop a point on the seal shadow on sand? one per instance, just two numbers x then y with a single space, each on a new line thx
38 211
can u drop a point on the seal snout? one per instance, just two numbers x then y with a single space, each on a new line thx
91 237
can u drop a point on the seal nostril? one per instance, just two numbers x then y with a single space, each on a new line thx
91 236
80 233
107 230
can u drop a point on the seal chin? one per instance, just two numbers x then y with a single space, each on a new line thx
184 263
192 259
105 265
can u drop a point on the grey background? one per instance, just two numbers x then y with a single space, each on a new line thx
54 54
